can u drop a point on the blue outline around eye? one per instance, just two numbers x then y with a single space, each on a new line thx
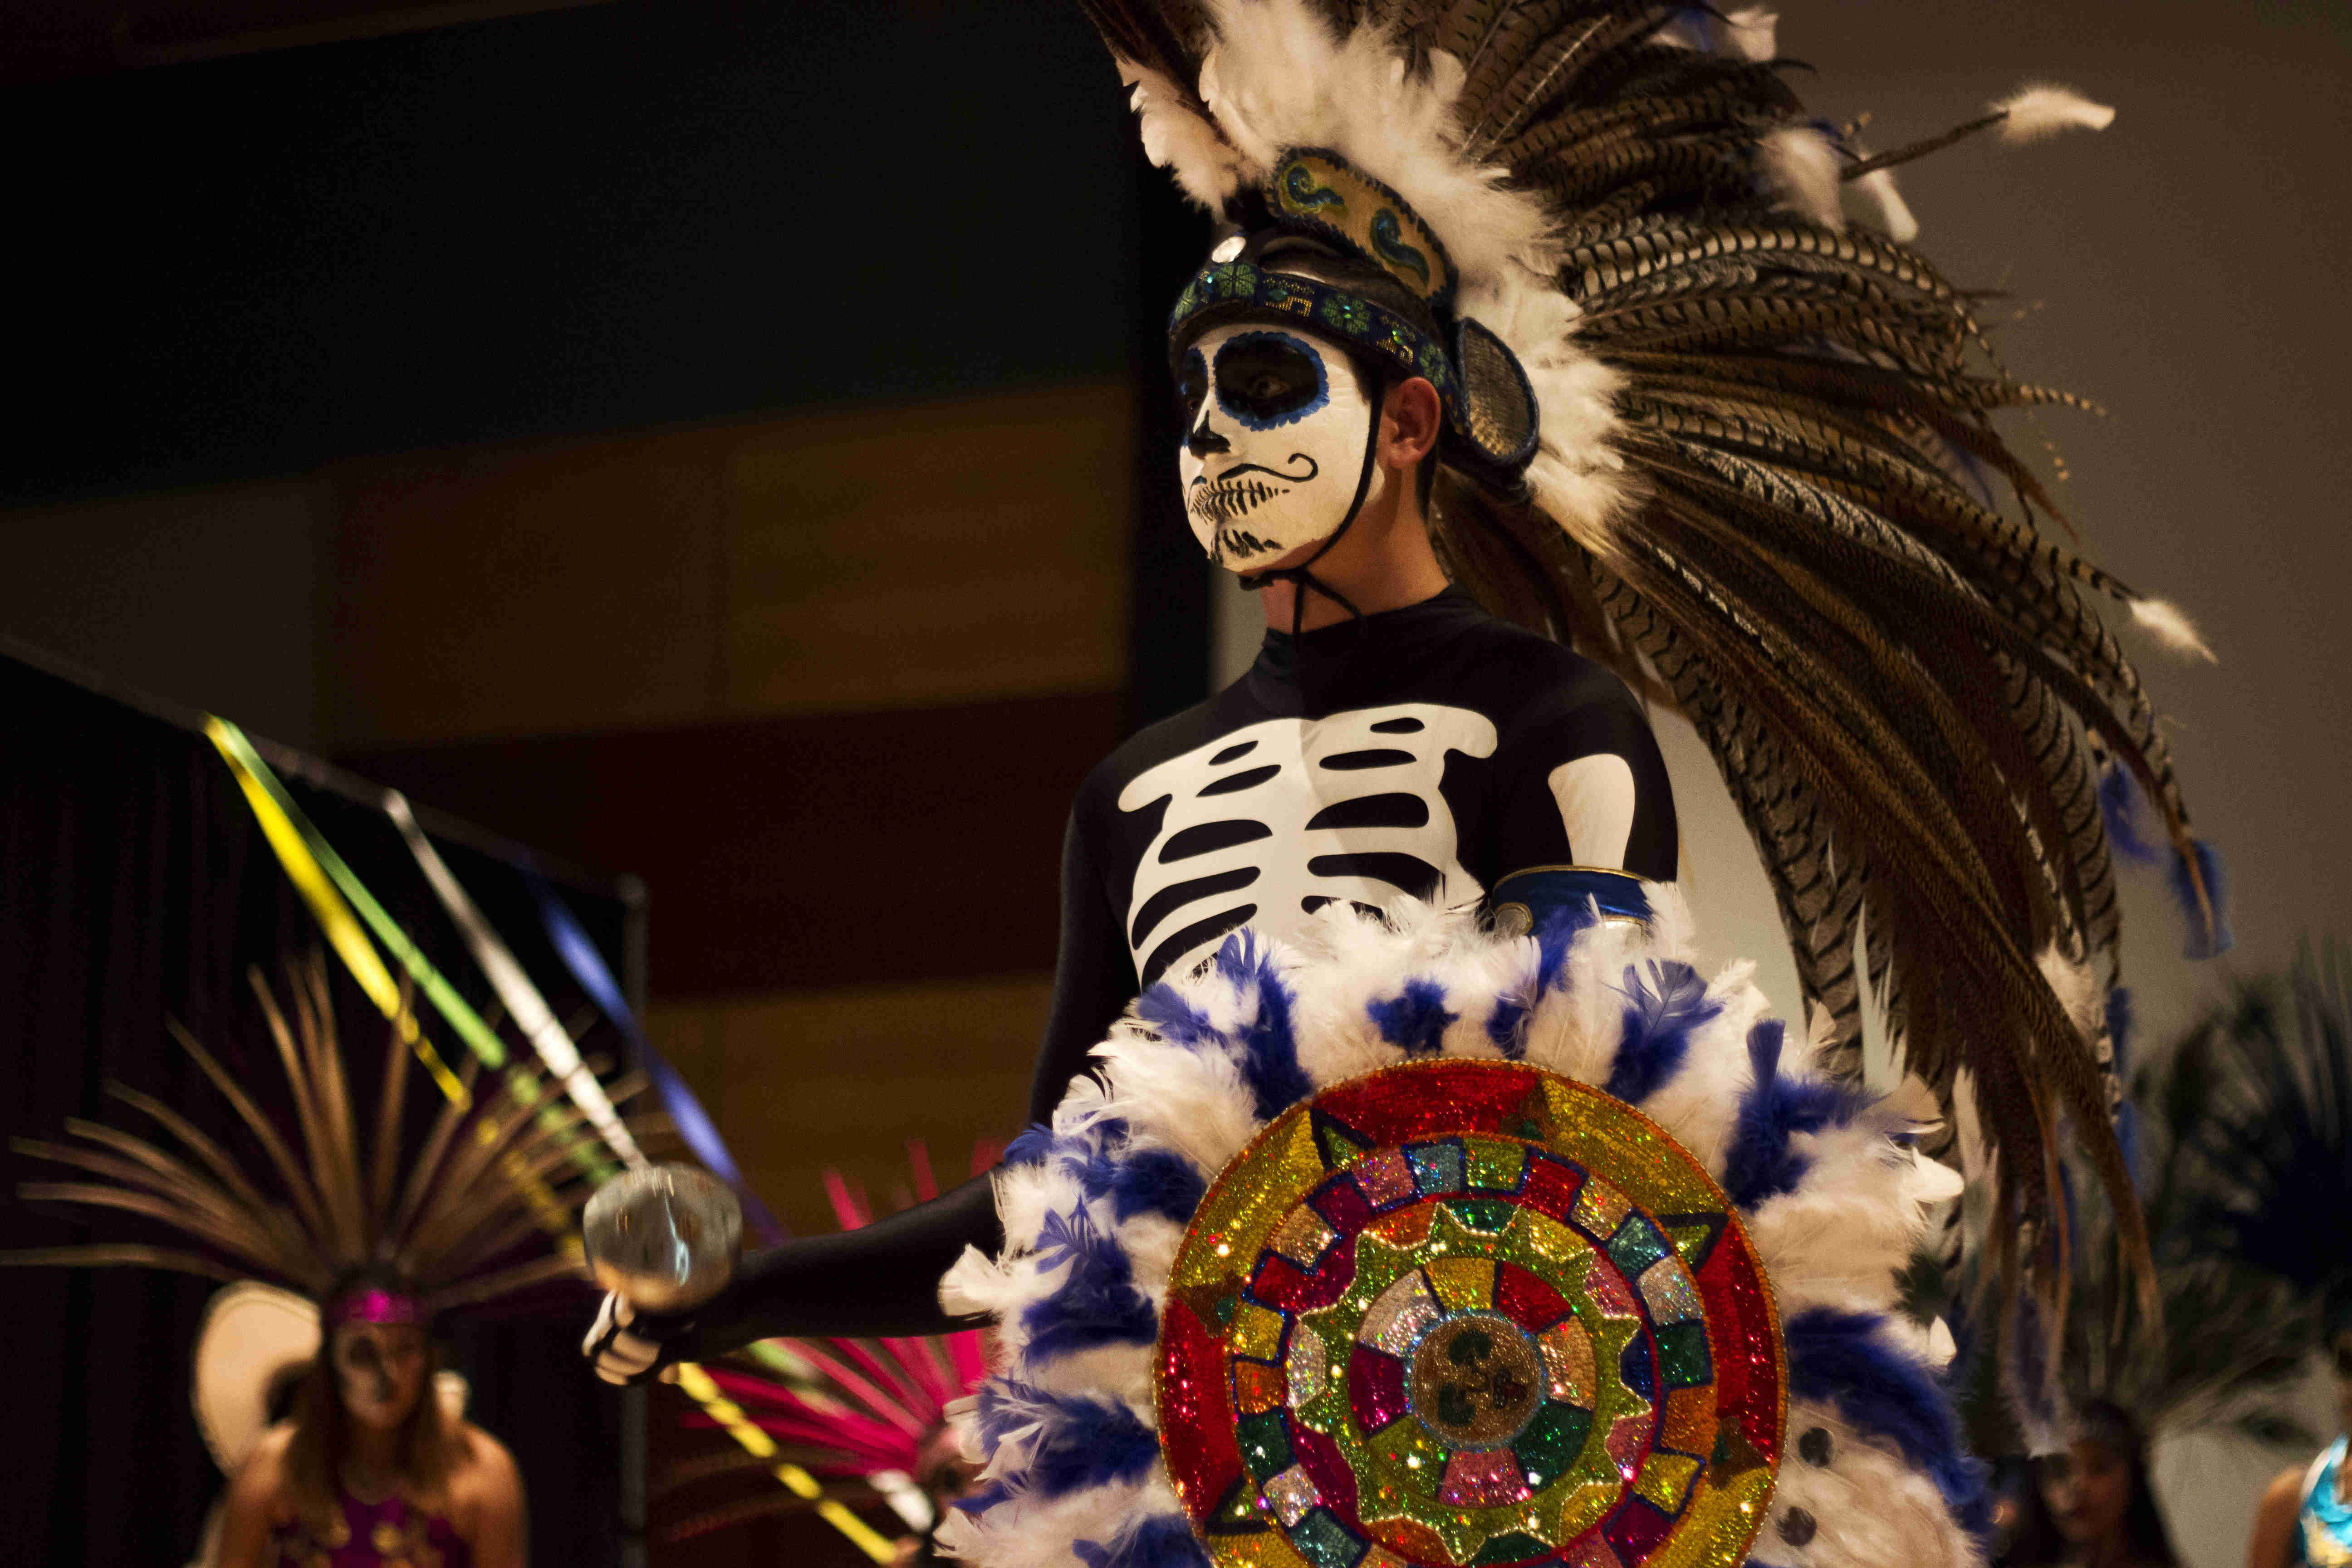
1208 387
1322 380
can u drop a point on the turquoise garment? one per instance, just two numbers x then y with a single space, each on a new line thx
2323 1525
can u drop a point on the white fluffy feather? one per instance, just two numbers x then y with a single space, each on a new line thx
1804 169
1178 140
1869 1508
2078 992
2163 620
2042 110
1834 1240
1029 1533
1750 33
1278 78
1875 199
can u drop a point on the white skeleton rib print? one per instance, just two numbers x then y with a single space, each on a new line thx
1268 823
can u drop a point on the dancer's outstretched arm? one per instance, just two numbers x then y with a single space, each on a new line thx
883 1279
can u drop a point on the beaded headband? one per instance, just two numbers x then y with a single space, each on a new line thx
1490 408
374 1305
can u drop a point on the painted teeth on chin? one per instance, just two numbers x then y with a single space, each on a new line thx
1238 544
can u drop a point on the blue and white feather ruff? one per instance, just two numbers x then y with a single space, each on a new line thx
1833 1196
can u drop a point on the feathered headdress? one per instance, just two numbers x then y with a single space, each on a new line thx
1762 484
2240 1135
458 1221
873 1413
2264 1165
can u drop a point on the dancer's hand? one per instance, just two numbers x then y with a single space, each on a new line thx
629 1347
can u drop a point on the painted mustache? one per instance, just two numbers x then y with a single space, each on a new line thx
1236 492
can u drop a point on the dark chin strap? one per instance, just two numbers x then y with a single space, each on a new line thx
1300 578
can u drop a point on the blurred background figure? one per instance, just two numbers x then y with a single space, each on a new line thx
376 1462
2091 1505
2239 1137
340 1252
2305 1517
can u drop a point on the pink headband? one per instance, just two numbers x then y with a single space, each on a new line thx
374 1305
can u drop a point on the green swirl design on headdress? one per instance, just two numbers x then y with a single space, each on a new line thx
1388 240
1302 193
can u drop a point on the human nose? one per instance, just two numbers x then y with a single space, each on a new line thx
1204 440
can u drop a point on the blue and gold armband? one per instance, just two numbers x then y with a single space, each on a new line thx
1525 900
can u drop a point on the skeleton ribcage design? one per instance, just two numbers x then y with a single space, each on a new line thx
1270 822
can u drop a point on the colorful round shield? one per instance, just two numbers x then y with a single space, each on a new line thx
1469 1312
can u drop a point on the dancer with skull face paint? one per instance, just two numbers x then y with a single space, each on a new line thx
1570 272
1721 446
1391 738
339 1254
1279 451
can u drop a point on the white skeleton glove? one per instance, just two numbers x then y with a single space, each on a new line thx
620 1356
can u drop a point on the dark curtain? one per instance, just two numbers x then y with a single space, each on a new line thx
135 886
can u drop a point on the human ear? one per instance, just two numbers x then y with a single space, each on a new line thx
1410 417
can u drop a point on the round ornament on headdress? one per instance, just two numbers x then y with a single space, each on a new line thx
253 1336
1469 1312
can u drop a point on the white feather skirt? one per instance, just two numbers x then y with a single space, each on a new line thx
1873 1474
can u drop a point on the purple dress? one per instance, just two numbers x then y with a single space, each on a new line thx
394 1533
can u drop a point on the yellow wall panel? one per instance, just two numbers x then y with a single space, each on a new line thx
952 553
842 559
525 591
206 597
802 1082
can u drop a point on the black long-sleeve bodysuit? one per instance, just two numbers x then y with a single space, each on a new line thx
1431 750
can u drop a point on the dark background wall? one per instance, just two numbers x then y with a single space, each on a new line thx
698 440
635 425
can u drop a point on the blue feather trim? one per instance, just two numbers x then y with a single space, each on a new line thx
1080 1441
2119 1040
1172 1017
1506 1026
1031 1147
2124 810
1163 1540
1269 1054
1416 1020
988 1496
1156 1182
1837 1358
1556 932
1658 1026
1760 1163
2205 940
1097 1304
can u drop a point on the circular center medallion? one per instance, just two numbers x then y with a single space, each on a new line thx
1468 1312
1476 1379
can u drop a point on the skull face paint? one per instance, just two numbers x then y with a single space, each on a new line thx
1278 449
379 1371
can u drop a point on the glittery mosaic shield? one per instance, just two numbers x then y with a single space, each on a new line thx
1469 1312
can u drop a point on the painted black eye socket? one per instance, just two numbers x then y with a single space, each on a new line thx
1266 378
1193 385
